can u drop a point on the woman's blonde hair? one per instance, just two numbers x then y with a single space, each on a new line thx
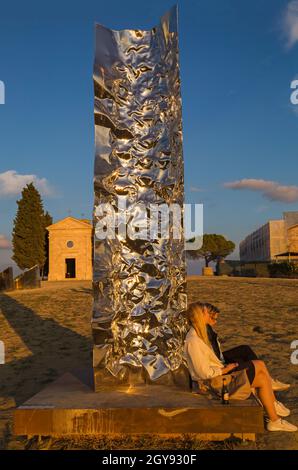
195 314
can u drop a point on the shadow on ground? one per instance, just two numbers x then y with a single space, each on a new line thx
54 349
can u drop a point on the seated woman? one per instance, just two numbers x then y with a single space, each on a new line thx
238 354
203 364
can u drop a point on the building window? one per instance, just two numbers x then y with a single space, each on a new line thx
69 244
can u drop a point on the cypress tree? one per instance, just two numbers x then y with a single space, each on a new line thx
48 220
28 237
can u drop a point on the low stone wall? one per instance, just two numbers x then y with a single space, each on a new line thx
258 269
238 268
6 279
29 279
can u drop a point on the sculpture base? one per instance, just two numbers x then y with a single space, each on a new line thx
136 376
69 406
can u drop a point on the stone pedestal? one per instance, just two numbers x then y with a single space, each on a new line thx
69 406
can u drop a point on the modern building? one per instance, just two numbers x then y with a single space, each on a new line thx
70 250
277 240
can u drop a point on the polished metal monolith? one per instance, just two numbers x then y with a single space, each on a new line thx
138 319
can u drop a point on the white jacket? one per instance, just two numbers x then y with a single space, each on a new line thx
201 360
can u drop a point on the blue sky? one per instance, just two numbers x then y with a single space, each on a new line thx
237 59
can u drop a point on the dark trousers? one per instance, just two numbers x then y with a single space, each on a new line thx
240 354
244 355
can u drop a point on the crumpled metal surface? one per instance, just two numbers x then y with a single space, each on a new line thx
139 284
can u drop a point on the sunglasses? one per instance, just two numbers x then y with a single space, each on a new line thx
213 315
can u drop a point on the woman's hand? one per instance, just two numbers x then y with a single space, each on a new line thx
229 367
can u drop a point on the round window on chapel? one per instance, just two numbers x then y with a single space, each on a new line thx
69 244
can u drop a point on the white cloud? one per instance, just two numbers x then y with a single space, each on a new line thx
270 189
195 189
12 183
290 23
4 242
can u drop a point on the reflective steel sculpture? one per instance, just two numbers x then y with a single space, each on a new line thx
139 282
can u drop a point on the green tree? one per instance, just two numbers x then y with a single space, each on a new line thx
28 237
214 248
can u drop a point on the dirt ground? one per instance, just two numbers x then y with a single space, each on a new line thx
46 331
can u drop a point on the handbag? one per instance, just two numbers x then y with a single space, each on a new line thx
238 385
